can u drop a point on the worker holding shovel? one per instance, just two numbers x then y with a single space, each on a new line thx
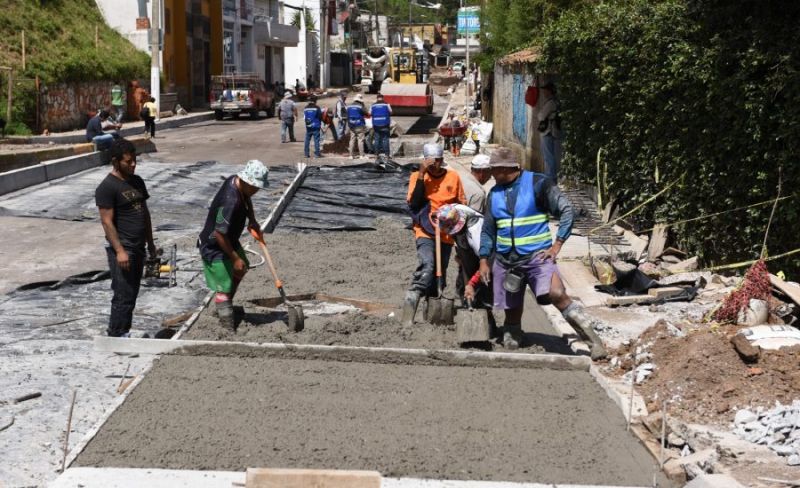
428 189
224 260
516 233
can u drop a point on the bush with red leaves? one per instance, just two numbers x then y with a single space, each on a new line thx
755 285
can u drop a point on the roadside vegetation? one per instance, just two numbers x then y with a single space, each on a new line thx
703 93
60 46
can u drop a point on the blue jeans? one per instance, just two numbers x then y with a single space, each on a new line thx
287 130
551 154
342 127
424 278
309 134
103 142
125 285
382 141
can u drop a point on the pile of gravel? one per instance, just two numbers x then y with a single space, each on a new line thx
777 428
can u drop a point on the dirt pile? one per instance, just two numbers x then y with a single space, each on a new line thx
700 372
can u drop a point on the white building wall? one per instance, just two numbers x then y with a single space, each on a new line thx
121 16
303 59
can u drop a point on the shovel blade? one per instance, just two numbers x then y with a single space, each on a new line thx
473 326
441 311
296 318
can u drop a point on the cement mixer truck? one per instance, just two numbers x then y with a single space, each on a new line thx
374 69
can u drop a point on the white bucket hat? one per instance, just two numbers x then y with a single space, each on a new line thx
255 173
481 161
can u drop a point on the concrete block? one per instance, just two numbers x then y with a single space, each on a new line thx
22 178
747 351
319 478
714 481
60 168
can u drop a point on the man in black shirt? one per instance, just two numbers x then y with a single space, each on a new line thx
95 132
122 200
224 260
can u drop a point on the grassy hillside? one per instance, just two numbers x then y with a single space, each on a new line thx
60 46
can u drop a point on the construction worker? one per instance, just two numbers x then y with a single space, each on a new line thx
479 174
341 114
358 126
464 225
224 260
287 111
122 201
428 189
517 233
381 113
550 130
313 117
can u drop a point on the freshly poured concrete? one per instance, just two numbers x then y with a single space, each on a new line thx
463 423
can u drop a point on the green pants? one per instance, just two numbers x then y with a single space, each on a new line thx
219 273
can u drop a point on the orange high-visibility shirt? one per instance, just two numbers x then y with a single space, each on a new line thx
439 191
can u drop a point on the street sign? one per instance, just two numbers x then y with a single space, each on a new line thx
468 20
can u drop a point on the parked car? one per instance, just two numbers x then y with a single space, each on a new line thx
457 67
242 93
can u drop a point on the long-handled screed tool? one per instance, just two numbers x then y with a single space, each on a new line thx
296 317
440 309
472 325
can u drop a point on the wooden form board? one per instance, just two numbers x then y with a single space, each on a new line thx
789 289
311 478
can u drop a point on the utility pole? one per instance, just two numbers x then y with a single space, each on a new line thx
323 32
155 65
377 26
466 30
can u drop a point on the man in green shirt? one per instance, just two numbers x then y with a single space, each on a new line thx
119 100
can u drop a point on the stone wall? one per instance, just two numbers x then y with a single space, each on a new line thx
68 106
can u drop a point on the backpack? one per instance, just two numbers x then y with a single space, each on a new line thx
144 113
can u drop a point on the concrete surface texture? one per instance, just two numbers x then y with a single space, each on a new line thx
231 413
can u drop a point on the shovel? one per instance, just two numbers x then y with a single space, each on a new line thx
296 317
472 325
440 310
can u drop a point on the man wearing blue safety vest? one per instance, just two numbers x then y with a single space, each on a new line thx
357 124
313 117
516 231
381 113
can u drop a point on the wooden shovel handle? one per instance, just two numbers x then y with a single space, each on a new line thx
260 239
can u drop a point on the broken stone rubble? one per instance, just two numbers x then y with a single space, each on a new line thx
777 428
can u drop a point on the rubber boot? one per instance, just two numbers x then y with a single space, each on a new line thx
410 304
512 336
225 315
583 325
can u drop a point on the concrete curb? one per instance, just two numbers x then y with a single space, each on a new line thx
43 172
134 128
348 353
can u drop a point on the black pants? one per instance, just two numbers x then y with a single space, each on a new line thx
125 285
150 126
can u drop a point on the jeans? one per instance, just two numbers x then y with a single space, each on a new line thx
551 154
125 285
342 127
287 130
357 138
120 109
382 140
103 141
424 278
309 134
150 126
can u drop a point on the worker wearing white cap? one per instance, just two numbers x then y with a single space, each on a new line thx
428 189
479 174
224 260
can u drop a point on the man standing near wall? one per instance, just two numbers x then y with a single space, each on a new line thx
122 201
119 101
550 131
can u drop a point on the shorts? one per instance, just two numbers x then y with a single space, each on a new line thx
538 274
219 272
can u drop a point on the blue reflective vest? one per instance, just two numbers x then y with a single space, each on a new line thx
313 116
355 115
525 228
380 115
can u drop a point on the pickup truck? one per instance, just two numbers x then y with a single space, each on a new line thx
237 94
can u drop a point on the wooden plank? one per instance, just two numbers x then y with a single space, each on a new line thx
789 289
307 478
666 292
658 240
629 300
352 353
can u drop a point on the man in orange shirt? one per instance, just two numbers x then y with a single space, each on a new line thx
428 189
